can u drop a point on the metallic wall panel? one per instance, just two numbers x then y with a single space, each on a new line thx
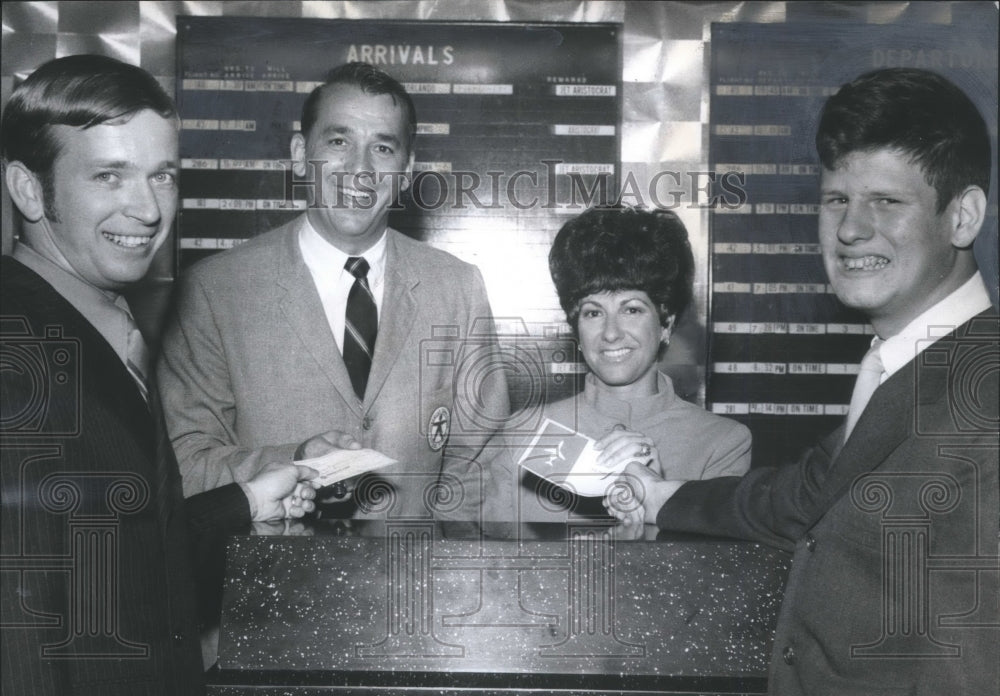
665 64
27 17
99 17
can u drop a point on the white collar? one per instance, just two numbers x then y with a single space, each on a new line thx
957 308
320 254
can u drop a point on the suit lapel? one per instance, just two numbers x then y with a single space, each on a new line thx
398 315
890 418
102 371
303 310
891 415
106 382
885 423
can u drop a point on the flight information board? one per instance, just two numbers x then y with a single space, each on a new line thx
519 128
784 352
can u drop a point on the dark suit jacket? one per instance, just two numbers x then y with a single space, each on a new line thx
894 582
96 587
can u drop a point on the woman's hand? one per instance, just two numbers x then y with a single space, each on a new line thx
622 446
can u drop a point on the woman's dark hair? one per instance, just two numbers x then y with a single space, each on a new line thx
607 249
917 112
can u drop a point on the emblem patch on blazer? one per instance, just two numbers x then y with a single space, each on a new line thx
438 428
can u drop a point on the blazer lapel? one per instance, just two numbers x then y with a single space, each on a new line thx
892 414
886 423
105 374
105 380
398 315
303 310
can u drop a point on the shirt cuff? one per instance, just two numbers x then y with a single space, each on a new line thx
251 500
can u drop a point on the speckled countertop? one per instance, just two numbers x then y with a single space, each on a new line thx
415 597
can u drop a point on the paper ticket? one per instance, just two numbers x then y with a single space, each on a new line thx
568 459
344 463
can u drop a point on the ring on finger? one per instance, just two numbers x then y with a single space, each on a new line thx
645 450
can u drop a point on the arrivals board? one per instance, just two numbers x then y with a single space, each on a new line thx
518 130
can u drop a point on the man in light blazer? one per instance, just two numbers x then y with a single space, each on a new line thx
893 518
253 368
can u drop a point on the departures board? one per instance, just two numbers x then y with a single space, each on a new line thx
518 125
784 352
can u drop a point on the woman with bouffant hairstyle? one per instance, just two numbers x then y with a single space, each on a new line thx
623 276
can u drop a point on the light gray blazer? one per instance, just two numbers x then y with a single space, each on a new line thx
250 369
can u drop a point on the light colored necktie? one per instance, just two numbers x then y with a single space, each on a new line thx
136 353
869 377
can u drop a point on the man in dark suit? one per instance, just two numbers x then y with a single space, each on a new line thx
269 347
97 589
893 518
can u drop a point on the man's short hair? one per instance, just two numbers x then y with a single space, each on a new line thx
369 80
612 248
917 112
81 91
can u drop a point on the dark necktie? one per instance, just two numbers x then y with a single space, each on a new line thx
360 326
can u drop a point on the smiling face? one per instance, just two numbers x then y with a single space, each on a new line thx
886 250
363 142
114 197
620 335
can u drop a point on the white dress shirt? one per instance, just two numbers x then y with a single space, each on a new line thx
938 321
333 281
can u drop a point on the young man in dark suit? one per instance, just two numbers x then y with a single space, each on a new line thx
893 518
96 581
268 348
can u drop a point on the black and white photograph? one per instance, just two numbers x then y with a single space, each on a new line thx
496 347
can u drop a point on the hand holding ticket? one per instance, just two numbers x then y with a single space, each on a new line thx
340 464
568 459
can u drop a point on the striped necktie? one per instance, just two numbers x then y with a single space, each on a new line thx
360 326
869 378
137 357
